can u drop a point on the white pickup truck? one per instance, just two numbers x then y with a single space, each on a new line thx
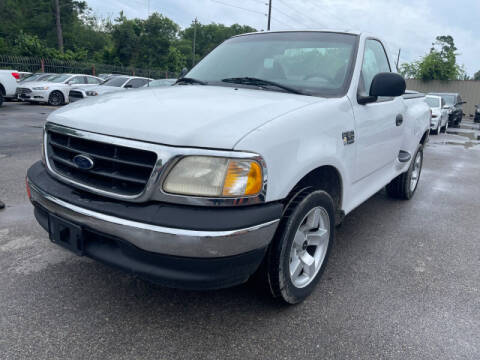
8 84
244 166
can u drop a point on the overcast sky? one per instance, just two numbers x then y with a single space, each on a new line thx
411 25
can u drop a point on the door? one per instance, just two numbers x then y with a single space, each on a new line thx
379 125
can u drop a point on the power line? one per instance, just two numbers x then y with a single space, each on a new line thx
342 21
299 13
289 16
239 7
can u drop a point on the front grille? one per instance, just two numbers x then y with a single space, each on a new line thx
21 91
117 169
76 94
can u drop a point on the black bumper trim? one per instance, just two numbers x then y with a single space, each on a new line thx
166 270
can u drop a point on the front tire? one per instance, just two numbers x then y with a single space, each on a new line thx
404 186
298 254
56 98
1 99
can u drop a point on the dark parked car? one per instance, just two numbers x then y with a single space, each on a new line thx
453 103
477 114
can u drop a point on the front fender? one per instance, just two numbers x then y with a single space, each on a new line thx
299 142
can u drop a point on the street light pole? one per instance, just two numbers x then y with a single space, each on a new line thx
269 14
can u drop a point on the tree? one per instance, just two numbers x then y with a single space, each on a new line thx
477 76
58 24
439 64
409 70
208 37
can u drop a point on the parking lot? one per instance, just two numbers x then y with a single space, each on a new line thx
403 281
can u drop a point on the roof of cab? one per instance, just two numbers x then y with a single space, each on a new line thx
349 32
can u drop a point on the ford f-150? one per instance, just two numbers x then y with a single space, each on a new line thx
246 165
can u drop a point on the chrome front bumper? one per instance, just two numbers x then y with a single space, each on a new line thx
158 239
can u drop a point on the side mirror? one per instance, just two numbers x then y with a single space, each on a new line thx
385 85
128 86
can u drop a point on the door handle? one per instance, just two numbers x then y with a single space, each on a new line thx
399 120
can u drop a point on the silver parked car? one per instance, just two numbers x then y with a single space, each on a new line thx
114 84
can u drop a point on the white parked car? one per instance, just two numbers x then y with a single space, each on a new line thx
247 163
54 90
8 84
112 84
439 120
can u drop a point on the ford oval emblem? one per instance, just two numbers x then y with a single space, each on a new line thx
83 162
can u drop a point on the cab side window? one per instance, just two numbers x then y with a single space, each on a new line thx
375 61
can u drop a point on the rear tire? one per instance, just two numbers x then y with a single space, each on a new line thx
1 99
404 186
56 98
299 251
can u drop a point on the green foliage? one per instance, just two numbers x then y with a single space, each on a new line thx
439 64
409 70
156 42
475 77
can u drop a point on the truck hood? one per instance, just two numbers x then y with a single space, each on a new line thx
187 115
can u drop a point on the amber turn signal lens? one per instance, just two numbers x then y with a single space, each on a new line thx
244 177
255 179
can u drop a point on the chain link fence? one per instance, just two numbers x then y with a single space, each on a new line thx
34 64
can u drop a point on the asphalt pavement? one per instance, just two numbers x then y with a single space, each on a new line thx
403 281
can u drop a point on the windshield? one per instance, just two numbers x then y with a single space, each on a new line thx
433 102
33 77
449 99
116 81
315 63
59 78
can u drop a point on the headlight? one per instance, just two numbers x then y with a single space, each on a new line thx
92 93
214 177
40 88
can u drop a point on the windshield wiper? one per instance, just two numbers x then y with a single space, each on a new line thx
188 80
261 82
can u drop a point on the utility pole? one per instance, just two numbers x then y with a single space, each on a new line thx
194 41
59 26
269 14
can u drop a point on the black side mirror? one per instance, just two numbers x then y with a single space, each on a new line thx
385 85
183 73
128 86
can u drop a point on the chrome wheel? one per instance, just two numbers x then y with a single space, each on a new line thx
309 247
417 168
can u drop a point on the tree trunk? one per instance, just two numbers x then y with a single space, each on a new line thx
59 26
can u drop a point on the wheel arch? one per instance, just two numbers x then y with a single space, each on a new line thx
2 90
325 177
424 138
